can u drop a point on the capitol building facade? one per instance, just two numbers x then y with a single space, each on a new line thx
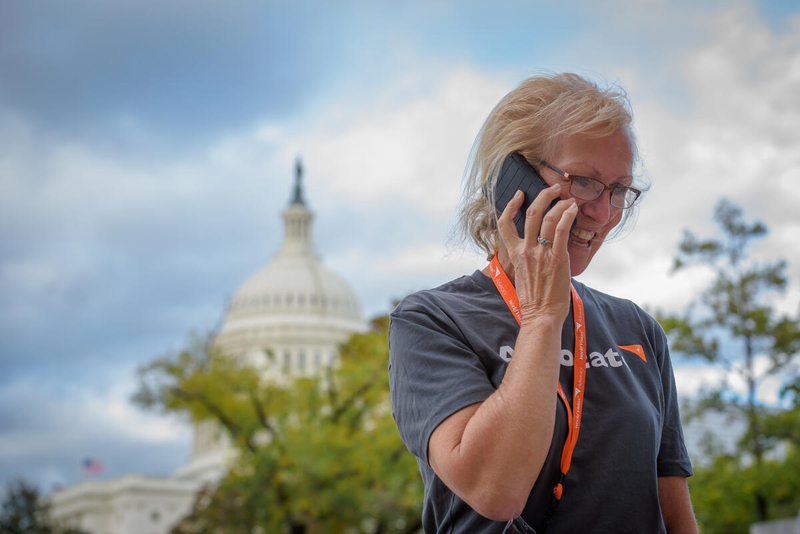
287 319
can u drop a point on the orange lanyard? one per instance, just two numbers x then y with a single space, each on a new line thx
509 294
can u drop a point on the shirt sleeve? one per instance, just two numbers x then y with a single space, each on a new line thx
433 373
673 460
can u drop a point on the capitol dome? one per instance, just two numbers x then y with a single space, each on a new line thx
292 314
292 289
287 319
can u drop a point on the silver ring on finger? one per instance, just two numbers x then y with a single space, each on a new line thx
543 241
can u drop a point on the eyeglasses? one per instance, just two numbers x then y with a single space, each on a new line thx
584 188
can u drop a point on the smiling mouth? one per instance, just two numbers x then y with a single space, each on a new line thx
581 238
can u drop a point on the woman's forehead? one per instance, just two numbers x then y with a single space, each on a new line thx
610 155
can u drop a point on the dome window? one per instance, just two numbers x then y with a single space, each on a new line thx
289 299
301 299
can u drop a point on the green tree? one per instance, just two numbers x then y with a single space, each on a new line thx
315 455
722 492
24 512
732 324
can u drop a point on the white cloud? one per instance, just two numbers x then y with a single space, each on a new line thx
735 137
640 270
421 259
75 190
80 417
123 418
728 140
408 149
693 379
411 150
393 274
29 275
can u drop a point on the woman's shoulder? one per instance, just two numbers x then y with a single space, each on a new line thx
464 291
617 307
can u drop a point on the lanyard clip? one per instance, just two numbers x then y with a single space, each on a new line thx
555 501
559 488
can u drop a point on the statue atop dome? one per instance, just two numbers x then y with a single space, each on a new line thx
297 220
298 187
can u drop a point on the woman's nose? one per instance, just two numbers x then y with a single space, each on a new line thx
599 209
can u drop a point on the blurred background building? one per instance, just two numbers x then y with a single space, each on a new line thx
288 319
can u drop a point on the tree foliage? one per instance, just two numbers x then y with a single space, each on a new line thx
24 512
732 324
315 455
722 493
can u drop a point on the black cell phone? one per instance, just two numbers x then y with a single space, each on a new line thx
517 174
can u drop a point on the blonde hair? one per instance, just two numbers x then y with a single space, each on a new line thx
532 119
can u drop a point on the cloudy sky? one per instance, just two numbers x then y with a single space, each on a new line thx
147 148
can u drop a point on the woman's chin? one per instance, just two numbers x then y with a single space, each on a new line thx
579 257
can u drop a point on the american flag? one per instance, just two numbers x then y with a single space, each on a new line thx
90 466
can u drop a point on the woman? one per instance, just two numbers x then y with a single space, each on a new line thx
475 373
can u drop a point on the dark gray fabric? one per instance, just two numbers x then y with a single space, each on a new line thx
446 347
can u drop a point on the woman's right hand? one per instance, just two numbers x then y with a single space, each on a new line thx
491 453
541 273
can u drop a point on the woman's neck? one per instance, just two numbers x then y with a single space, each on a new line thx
505 263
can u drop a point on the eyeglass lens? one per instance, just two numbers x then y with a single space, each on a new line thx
590 189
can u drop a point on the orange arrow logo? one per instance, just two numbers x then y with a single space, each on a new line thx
636 349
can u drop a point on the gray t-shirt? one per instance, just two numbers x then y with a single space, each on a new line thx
449 348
